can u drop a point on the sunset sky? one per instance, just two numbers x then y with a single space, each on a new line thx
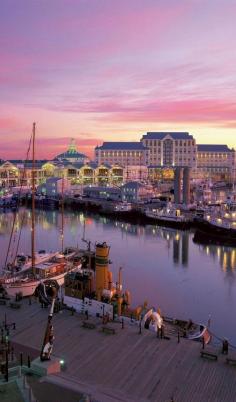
111 70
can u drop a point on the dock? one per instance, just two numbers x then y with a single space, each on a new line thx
122 365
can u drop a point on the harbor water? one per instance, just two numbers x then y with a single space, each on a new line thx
159 265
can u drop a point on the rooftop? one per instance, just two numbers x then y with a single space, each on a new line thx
213 148
161 135
122 145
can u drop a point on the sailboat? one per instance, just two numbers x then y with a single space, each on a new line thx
54 269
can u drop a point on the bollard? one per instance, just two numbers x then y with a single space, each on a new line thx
29 361
178 337
6 367
140 327
203 343
122 323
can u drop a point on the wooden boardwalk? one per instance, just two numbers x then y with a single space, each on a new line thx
126 366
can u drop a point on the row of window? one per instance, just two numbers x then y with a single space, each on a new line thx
177 143
121 153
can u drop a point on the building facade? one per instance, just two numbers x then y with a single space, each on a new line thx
216 162
122 153
170 149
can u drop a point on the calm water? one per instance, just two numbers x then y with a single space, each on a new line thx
160 265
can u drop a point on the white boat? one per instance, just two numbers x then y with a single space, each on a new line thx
24 262
56 269
169 216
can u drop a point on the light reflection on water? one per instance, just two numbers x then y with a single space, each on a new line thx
160 265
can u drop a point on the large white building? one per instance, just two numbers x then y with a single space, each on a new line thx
216 162
122 153
169 149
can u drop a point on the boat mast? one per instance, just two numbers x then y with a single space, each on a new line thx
33 202
62 215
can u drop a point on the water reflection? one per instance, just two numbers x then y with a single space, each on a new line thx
225 256
175 240
161 265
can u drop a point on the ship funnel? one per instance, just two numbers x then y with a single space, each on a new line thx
102 261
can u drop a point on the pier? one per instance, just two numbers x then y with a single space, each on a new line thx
124 364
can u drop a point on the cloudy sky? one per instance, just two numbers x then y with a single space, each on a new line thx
111 70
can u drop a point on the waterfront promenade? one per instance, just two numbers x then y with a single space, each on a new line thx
126 366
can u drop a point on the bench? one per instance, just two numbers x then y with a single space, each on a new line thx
15 305
231 360
3 302
208 354
108 330
88 324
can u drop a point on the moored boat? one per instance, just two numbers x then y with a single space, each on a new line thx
55 269
216 229
172 217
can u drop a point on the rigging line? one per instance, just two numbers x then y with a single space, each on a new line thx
14 219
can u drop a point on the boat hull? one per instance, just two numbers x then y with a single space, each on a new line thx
28 288
207 233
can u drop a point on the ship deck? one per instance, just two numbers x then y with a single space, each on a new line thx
126 366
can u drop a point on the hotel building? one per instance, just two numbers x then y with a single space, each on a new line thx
170 149
122 153
216 162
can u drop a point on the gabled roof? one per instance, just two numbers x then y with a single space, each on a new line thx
213 148
133 184
29 163
122 146
160 135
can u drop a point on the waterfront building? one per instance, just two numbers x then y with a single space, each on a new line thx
54 186
103 193
135 191
216 162
169 149
133 156
9 174
86 174
18 172
72 155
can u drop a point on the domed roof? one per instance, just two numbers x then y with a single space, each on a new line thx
71 153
